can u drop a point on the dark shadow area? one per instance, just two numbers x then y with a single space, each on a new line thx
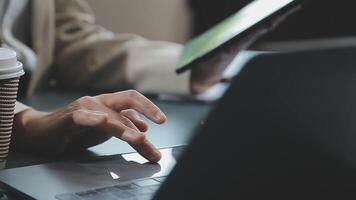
317 19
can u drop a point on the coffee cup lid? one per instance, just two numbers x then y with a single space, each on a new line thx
9 66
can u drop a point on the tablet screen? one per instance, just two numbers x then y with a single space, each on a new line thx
228 29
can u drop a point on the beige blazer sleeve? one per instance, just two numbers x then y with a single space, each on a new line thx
89 56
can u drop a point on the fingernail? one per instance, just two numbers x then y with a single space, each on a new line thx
160 116
156 156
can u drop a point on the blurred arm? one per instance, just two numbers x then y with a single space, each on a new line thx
89 56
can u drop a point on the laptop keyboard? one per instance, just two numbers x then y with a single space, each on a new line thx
137 190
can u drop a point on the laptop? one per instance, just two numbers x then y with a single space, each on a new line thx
285 129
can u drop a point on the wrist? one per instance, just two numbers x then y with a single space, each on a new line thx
22 131
24 118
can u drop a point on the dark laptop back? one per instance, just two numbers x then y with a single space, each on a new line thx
286 129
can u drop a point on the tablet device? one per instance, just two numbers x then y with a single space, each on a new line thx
239 25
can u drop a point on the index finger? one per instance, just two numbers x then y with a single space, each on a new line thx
147 150
135 139
132 99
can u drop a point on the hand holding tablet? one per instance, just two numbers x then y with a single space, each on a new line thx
209 54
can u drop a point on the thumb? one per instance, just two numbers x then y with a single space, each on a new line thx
88 118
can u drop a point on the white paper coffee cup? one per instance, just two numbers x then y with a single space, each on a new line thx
10 72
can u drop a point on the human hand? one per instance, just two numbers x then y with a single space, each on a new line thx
89 121
210 71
